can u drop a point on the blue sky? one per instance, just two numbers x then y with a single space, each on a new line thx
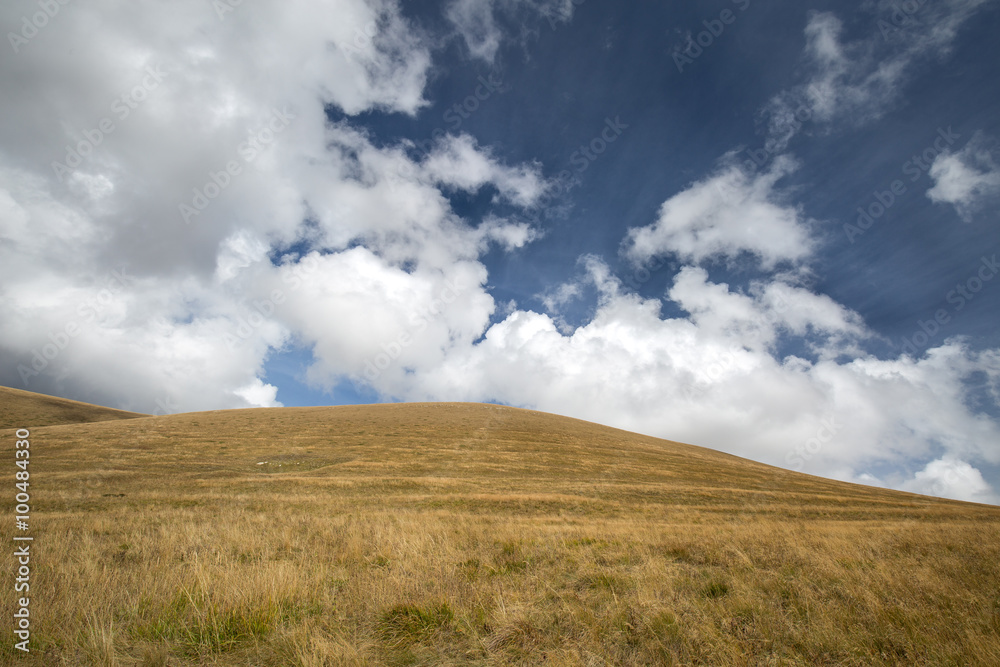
767 229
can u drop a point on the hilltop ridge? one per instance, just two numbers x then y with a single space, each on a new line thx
27 409
454 534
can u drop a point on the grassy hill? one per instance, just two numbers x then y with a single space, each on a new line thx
466 534
25 409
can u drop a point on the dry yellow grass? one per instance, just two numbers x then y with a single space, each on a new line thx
451 534
19 409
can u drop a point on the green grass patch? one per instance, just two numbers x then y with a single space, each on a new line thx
603 581
715 589
405 624
200 625
509 558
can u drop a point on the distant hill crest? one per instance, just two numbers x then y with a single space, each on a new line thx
26 409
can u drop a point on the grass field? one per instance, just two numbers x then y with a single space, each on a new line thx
18 407
458 534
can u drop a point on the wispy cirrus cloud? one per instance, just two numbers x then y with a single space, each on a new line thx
478 22
856 81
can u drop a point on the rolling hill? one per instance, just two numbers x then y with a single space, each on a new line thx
469 534
25 409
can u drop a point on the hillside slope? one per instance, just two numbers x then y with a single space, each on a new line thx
472 451
466 534
26 409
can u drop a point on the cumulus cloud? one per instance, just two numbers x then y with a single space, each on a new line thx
772 307
715 378
731 212
366 318
716 375
259 395
509 235
966 178
952 478
145 201
123 127
459 162
556 298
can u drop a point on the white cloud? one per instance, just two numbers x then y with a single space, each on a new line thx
724 215
966 178
952 478
459 162
771 308
183 92
259 395
476 21
240 250
193 321
553 300
510 235
356 310
714 378
857 81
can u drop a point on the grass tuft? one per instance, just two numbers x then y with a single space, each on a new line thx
406 624
715 589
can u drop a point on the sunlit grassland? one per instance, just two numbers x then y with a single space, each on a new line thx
16 405
447 534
